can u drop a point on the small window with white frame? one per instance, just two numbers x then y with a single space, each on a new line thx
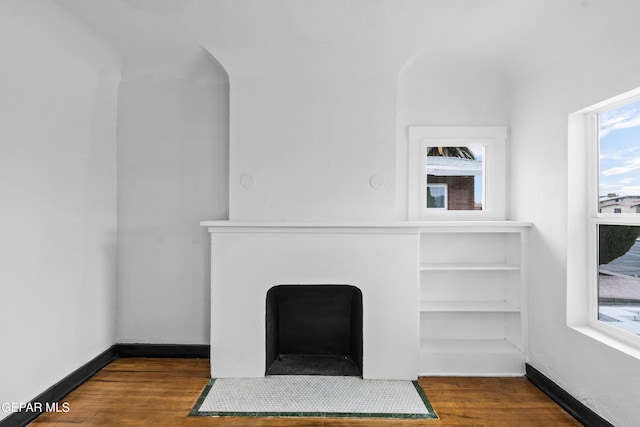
456 173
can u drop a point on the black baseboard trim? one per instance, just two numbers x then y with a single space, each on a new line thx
569 403
180 351
49 399
52 397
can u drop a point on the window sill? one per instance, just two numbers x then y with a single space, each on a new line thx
608 340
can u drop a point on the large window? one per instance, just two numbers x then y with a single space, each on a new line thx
616 220
457 173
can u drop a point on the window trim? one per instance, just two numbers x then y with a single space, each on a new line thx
588 322
493 138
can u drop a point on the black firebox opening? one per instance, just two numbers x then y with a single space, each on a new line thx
314 330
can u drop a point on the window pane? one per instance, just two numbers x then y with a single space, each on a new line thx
436 196
619 160
461 171
619 276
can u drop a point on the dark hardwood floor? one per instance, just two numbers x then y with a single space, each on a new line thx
161 392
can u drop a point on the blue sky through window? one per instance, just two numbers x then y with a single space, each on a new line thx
619 135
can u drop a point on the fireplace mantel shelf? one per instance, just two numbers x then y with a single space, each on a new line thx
400 226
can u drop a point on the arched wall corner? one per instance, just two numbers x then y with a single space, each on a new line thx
220 70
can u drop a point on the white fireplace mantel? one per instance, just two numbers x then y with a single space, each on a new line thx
223 226
247 259
360 227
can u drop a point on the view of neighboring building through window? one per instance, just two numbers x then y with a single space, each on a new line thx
619 197
455 178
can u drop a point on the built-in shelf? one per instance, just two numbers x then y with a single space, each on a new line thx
473 298
468 346
468 306
471 226
468 266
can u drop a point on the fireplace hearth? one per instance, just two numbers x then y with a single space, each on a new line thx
314 330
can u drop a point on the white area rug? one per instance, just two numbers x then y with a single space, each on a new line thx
313 396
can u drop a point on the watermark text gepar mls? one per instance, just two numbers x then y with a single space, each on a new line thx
35 407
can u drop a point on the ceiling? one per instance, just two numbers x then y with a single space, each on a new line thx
262 35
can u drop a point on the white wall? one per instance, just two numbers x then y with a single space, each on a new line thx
172 174
441 90
311 141
58 88
596 68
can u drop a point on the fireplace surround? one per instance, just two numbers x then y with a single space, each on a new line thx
248 259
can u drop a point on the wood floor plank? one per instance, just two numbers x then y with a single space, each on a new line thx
161 392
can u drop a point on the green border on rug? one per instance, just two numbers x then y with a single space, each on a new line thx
195 412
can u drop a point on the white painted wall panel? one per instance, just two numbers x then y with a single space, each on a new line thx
597 68
312 142
58 87
172 173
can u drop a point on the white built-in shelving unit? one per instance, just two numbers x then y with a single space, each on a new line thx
473 297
